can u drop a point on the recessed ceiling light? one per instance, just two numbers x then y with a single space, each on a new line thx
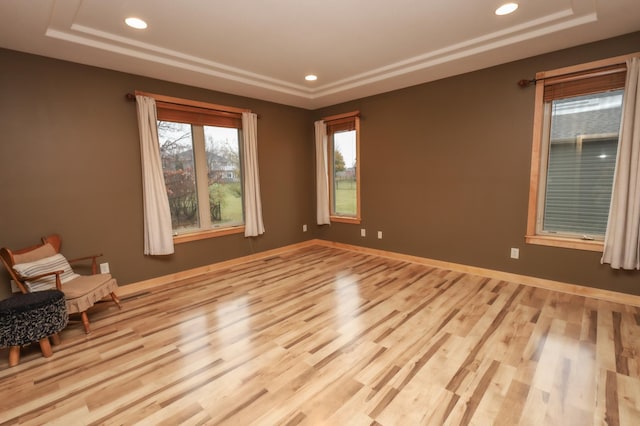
311 77
136 23
506 9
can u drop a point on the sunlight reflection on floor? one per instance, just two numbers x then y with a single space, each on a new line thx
347 300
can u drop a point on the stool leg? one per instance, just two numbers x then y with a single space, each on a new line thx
14 355
55 339
85 322
45 347
116 299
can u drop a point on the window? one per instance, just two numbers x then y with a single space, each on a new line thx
576 127
344 173
201 154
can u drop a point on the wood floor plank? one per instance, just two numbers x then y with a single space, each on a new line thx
323 335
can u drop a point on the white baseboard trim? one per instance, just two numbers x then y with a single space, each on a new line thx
578 290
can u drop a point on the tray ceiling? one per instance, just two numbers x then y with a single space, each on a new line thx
263 49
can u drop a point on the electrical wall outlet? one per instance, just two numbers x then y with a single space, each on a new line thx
363 232
104 268
379 235
304 228
515 253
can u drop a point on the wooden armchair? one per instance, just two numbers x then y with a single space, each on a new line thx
42 267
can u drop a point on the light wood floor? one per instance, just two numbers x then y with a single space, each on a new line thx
324 336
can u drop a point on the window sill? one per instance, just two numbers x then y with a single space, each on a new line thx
209 233
570 243
344 219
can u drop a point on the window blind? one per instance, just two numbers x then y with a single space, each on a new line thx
579 181
199 116
584 83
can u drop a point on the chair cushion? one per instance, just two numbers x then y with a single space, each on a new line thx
57 262
41 252
84 291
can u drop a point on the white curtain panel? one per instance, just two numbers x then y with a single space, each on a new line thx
622 240
158 233
252 203
322 174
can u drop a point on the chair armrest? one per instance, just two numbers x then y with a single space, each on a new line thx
93 256
37 277
94 264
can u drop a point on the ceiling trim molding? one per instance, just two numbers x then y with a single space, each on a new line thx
543 26
270 51
91 37
163 56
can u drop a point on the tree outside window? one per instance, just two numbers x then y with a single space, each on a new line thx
201 167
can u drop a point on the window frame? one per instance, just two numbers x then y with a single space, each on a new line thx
337 120
540 148
205 113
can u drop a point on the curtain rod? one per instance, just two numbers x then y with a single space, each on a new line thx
179 101
573 76
526 83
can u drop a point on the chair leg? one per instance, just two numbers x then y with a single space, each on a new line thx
116 299
45 347
55 339
14 355
85 322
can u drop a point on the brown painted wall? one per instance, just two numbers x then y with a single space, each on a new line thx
70 163
445 172
445 169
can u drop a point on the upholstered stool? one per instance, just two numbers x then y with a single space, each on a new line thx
31 317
